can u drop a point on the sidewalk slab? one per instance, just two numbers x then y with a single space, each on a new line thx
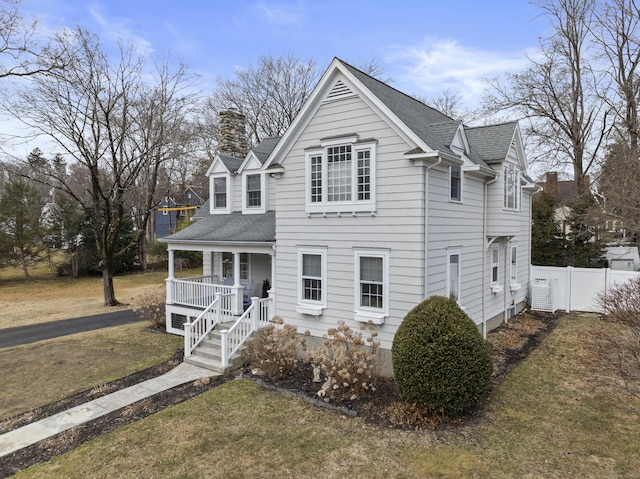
30 434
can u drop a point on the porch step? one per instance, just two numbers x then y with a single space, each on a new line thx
208 354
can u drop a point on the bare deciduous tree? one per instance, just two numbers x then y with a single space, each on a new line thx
270 95
105 117
21 54
558 93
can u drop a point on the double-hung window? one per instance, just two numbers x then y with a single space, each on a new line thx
455 183
253 200
371 285
312 281
453 275
496 287
513 268
511 187
340 176
220 194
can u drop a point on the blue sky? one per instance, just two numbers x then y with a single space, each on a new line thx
425 46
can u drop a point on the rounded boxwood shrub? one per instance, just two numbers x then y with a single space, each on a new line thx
440 360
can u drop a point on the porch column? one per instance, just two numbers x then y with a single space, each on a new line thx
237 287
236 269
272 256
170 278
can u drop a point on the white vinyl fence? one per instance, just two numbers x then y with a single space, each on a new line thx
572 289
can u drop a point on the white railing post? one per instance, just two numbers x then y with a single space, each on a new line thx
224 348
218 310
272 304
255 313
187 339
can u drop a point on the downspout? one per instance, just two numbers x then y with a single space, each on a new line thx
507 280
484 256
426 225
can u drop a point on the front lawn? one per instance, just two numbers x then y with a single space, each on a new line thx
546 419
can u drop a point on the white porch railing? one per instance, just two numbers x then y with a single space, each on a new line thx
197 330
199 292
257 316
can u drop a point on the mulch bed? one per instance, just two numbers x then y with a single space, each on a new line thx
510 343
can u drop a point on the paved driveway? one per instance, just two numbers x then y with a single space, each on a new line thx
10 337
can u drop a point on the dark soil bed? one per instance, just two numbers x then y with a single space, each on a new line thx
510 343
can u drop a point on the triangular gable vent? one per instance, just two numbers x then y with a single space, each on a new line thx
339 90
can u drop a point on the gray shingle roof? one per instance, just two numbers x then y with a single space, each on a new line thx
233 227
435 128
232 163
492 142
263 149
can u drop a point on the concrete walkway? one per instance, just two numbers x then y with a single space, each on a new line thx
30 434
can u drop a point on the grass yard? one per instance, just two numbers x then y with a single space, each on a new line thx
43 372
546 419
49 298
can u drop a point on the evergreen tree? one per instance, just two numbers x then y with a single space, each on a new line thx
20 214
584 250
547 244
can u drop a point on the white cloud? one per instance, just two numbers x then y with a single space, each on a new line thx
118 28
277 14
436 65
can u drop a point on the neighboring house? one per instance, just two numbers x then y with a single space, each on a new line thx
171 210
624 258
608 227
370 203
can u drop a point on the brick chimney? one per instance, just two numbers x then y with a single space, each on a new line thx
552 183
233 136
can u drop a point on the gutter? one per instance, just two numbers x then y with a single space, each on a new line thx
484 256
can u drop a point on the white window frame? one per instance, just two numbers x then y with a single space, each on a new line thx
307 306
348 206
513 268
245 259
453 168
212 206
512 190
496 286
368 313
245 203
495 265
450 254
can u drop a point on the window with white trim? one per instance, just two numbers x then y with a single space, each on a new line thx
511 187
513 268
495 266
453 275
455 183
341 176
312 282
254 191
371 268
220 193
227 266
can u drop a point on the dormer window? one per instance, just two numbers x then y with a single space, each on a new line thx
253 200
341 176
220 194
253 191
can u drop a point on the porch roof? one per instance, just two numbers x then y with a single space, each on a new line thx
234 227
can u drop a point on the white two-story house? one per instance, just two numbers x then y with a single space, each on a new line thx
370 203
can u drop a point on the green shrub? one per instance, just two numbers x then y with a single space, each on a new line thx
440 360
